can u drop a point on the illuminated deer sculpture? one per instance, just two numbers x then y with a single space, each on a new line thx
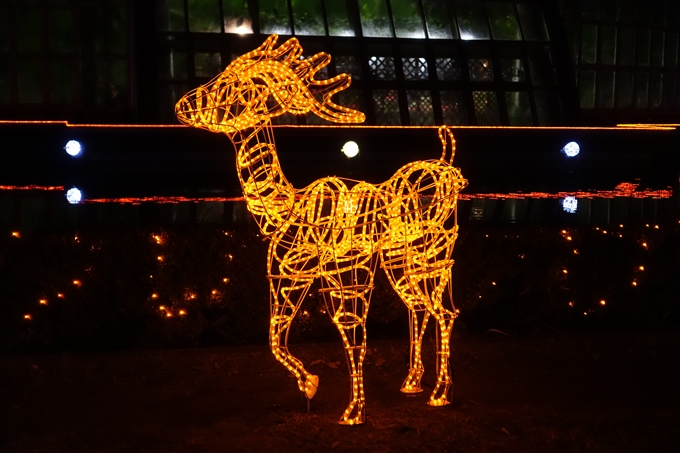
336 231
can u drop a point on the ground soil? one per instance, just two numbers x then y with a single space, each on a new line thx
547 392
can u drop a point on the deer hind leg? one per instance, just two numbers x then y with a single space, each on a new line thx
404 275
418 324
444 385
348 305
287 296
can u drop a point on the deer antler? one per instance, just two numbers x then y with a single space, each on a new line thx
302 92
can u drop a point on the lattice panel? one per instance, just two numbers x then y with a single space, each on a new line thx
420 108
382 68
480 70
486 108
512 70
453 108
448 69
386 103
415 68
348 64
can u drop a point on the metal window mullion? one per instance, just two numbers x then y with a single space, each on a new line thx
254 10
391 17
290 18
529 83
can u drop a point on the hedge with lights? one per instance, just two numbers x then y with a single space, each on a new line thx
514 281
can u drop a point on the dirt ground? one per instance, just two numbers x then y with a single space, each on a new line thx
548 392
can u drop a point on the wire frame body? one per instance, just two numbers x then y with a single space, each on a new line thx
336 231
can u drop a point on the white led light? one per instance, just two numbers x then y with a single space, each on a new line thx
570 205
73 148
571 149
74 195
350 149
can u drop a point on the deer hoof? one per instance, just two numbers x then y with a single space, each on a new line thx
311 386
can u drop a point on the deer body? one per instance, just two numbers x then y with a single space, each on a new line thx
335 230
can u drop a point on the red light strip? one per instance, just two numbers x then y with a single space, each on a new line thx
645 127
32 187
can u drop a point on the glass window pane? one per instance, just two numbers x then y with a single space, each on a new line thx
503 21
62 82
671 53
4 82
669 91
481 70
61 31
4 30
204 16
486 108
420 108
548 107
338 18
586 82
590 9
629 11
308 17
531 20
655 90
448 69
605 86
415 68
519 108
512 70
657 49
116 22
237 17
541 66
438 20
641 90
348 64
624 89
274 17
588 43
170 15
117 87
386 104
30 82
643 47
472 20
172 65
382 68
28 31
609 10
453 108
352 99
375 21
207 64
627 52
608 39
408 21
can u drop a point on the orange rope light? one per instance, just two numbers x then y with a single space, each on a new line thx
335 230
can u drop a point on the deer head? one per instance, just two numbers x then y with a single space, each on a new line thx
262 84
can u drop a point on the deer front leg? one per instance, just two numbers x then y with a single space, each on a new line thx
348 307
287 296
352 327
411 384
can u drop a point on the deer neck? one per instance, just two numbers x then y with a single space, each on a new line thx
269 196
